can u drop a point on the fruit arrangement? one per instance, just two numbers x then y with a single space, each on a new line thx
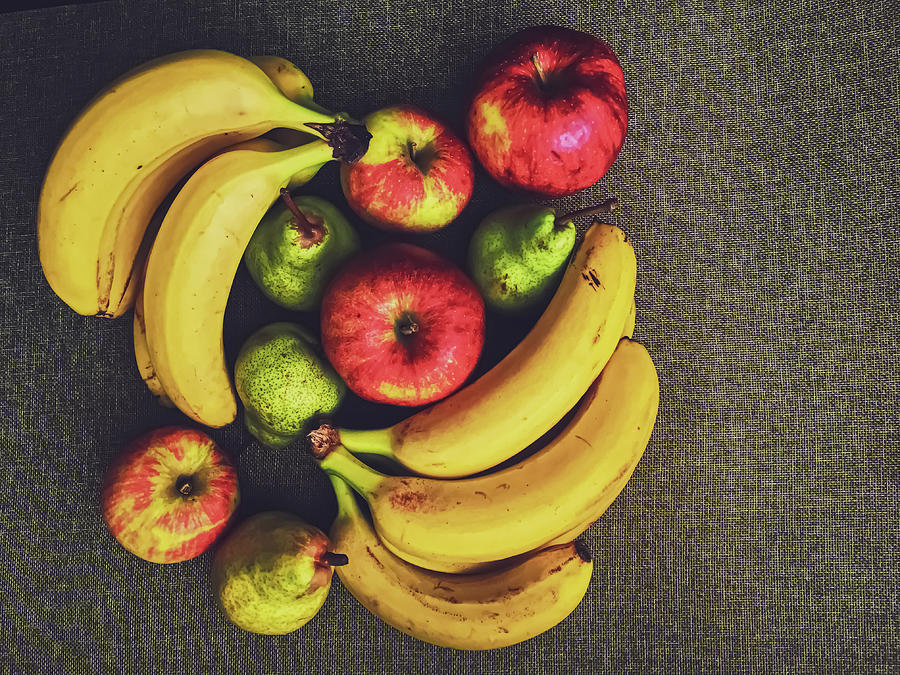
192 163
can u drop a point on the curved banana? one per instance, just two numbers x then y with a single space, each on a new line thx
521 508
193 262
530 390
129 147
473 611
142 351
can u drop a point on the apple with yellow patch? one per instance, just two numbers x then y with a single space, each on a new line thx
402 325
169 494
416 175
548 113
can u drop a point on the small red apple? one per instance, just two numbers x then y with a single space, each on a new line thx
169 494
402 325
416 175
549 111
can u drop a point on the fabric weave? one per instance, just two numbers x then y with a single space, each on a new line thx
758 184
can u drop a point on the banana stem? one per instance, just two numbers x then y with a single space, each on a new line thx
604 207
361 477
346 502
349 141
370 441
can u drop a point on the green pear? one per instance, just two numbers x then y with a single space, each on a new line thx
517 254
273 572
296 249
283 380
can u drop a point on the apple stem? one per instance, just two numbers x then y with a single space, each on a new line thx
335 559
605 207
409 328
310 233
184 486
535 59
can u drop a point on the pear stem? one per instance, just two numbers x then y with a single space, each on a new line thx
335 559
310 233
604 207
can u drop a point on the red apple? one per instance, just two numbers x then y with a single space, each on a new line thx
416 175
169 494
402 325
548 111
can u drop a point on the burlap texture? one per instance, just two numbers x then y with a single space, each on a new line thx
759 186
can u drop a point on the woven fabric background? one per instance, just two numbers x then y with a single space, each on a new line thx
759 184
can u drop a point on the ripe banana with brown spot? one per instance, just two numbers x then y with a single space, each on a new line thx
471 611
442 524
129 147
522 397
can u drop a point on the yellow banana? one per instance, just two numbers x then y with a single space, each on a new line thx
129 147
193 262
472 611
502 514
142 351
523 396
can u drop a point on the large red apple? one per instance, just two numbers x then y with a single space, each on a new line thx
548 112
416 175
169 494
402 325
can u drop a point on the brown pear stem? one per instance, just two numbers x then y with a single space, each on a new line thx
604 207
335 559
310 233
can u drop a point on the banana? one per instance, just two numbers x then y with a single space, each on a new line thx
129 147
520 508
473 611
193 262
142 351
523 396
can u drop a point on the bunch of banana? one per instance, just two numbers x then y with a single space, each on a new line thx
472 611
530 390
132 144
555 493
